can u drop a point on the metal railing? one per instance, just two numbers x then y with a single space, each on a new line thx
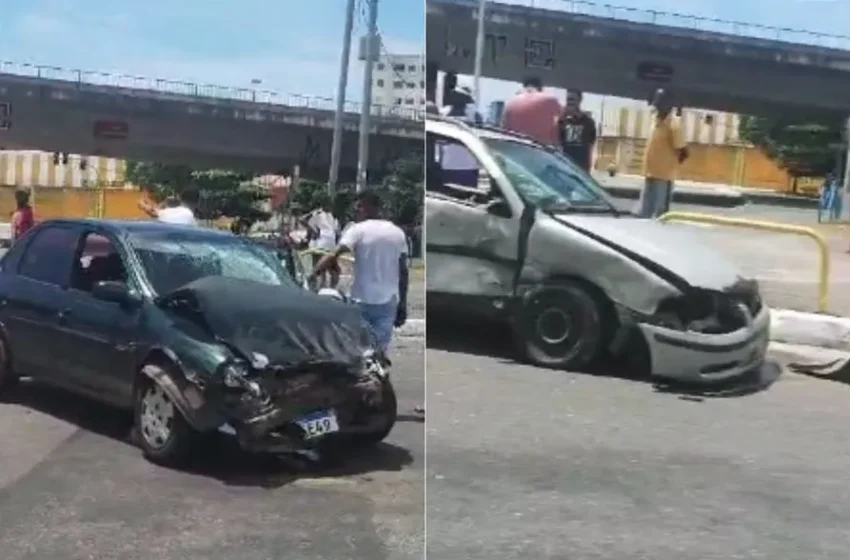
689 21
823 248
191 89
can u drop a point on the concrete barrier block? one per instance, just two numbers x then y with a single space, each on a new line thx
810 329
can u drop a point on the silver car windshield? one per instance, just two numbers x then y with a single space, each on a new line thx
548 179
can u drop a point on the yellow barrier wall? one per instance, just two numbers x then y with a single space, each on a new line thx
717 154
53 202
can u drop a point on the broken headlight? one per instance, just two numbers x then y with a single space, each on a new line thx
703 312
235 375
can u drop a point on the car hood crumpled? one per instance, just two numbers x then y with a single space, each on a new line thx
285 326
675 249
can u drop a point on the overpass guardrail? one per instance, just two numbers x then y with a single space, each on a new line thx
191 89
823 248
688 21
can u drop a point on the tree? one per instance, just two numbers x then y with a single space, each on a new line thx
220 193
803 146
403 186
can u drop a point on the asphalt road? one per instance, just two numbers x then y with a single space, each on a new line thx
532 463
72 488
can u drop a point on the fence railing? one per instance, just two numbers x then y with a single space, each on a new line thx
820 241
191 89
689 21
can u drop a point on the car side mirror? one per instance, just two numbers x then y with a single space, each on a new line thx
498 207
116 292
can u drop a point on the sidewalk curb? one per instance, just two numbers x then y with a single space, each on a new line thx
810 329
722 200
413 328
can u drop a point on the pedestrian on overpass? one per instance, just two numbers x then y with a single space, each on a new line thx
23 219
665 152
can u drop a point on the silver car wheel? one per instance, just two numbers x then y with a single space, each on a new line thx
156 421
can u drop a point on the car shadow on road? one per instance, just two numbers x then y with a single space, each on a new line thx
495 341
216 456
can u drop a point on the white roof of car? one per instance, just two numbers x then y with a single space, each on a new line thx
452 126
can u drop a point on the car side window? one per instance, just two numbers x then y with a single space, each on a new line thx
98 261
454 171
48 257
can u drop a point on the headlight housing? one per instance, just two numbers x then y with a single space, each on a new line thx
234 375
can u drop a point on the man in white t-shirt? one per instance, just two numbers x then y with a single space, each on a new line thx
174 211
380 268
325 228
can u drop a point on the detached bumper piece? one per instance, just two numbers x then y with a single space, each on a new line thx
298 410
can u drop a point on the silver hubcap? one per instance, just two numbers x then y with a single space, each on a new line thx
553 325
157 417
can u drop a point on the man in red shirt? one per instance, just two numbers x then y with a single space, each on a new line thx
535 113
23 218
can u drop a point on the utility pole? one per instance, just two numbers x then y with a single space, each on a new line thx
479 55
372 48
336 147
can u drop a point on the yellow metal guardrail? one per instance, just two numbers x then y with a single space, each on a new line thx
823 248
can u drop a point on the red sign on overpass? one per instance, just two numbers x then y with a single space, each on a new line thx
115 130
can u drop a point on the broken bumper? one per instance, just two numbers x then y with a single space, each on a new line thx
693 356
286 423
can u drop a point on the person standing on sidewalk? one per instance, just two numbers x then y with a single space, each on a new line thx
175 210
665 152
23 219
325 226
380 274
577 130
534 113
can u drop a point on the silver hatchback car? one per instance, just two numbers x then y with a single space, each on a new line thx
516 231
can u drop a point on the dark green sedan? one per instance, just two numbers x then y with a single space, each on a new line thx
195 330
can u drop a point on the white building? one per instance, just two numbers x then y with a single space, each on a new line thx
399 82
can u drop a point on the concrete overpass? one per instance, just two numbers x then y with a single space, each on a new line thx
609 54
177 122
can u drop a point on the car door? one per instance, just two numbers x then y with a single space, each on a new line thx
35 300
103 335
472 226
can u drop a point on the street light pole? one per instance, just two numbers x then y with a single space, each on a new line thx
479 55
336 146
366 110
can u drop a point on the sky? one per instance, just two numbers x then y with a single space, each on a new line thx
291 46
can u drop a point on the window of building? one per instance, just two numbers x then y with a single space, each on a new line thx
398 85
379 83
408 101
381 66
398 67
411 85
398 100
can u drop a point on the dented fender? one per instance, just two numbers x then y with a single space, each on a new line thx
189 398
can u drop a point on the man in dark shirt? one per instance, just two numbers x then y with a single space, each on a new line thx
577 130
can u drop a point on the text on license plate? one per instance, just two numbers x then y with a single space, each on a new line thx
318 423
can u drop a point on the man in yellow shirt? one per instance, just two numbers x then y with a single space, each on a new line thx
665 151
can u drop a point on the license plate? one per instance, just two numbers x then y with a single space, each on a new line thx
318 424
